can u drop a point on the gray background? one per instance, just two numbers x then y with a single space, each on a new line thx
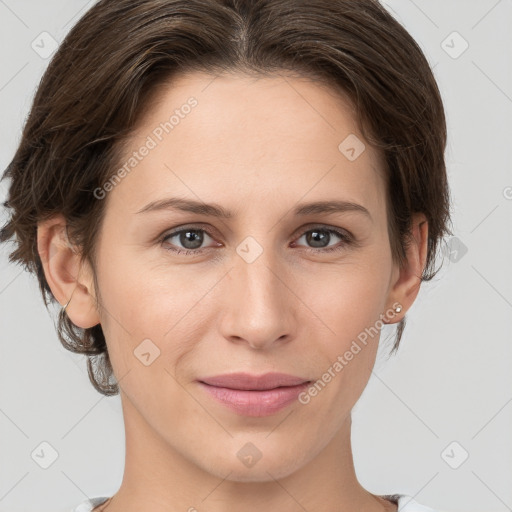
445 396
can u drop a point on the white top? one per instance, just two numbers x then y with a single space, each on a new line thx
405 504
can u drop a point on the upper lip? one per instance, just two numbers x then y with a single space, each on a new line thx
246 381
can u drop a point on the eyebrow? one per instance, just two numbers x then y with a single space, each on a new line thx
216 210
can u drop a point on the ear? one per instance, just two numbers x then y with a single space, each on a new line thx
407 280
67 276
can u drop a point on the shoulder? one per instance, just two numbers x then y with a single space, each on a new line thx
409 504
405 504
89 504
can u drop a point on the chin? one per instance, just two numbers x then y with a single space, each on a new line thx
265 469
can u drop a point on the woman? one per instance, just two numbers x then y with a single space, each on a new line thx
230 198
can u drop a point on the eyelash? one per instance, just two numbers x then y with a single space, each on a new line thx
346 238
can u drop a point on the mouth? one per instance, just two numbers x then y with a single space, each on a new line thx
248 382
252 395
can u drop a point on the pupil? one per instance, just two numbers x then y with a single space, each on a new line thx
314 235
195 240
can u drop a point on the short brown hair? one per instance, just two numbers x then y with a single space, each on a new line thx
120 51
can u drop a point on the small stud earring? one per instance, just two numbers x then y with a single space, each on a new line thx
398 309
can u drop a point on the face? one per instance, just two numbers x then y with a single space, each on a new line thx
273 287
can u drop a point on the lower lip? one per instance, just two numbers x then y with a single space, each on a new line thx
255 403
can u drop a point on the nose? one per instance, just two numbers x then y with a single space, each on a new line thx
259 307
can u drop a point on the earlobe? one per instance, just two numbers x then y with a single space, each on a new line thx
69 279
407 285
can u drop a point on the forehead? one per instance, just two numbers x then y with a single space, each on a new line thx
256 136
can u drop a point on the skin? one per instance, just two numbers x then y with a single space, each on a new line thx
257 147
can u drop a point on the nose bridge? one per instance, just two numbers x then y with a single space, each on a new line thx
258 308
256 272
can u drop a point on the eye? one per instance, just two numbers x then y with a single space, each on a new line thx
190 238
320 236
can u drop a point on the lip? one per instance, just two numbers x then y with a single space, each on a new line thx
247 381
254 395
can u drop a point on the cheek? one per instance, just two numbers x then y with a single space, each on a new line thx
148 333
348 298
347 305
150 312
